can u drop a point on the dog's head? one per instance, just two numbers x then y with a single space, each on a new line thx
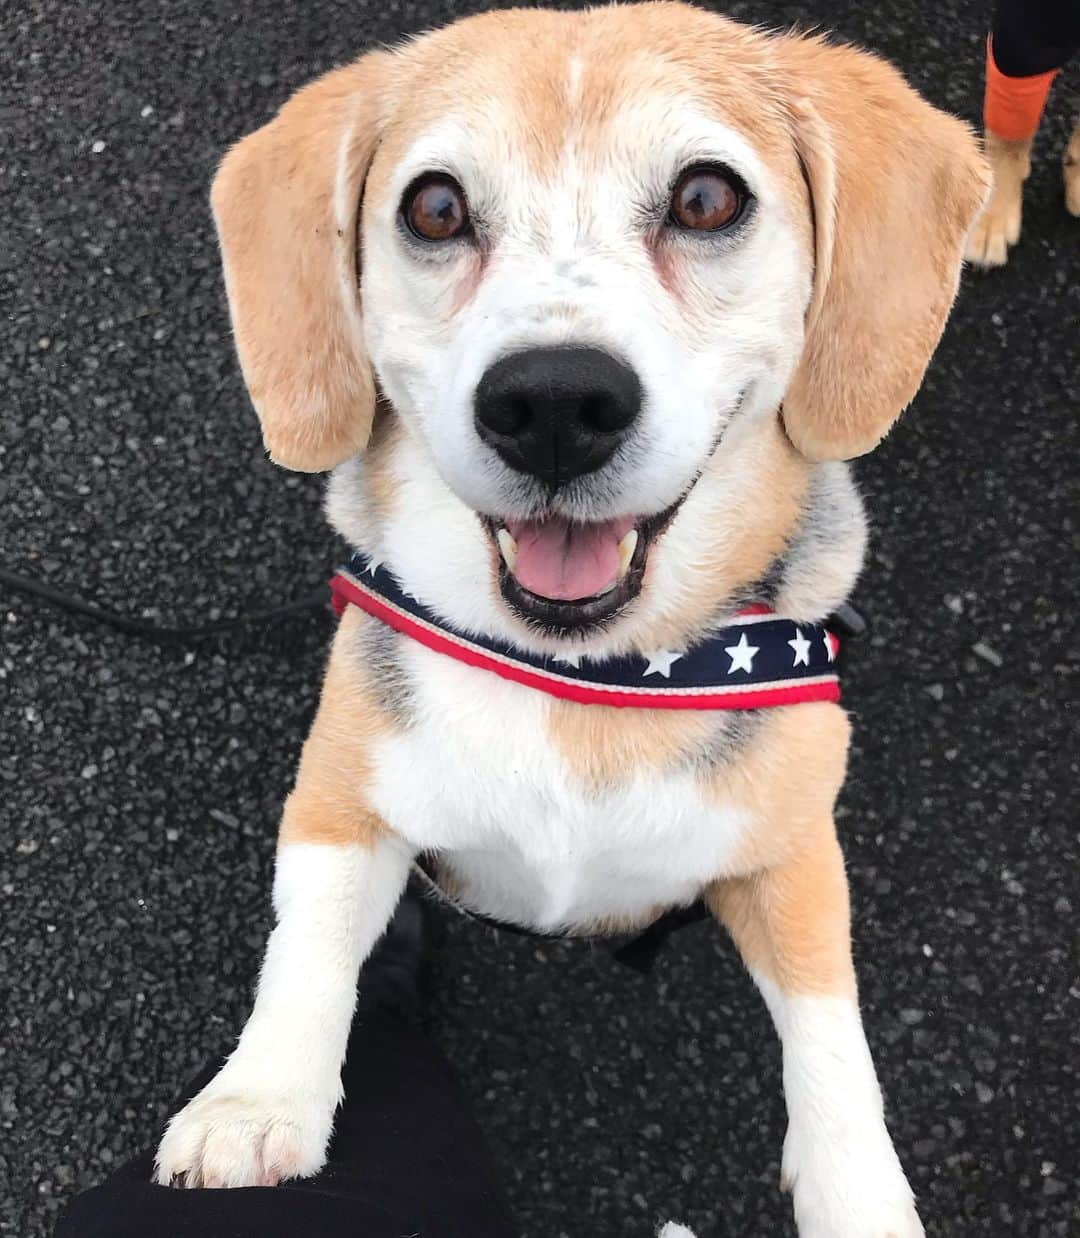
595 276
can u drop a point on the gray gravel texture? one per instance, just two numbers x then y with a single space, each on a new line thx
140 783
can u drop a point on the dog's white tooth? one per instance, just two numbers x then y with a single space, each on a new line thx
626 551
508 547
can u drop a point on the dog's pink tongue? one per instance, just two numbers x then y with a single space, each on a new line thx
565 561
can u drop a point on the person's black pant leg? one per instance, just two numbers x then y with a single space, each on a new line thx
407 1158
1035 36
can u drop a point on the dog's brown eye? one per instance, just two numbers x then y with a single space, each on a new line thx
434 208
706 200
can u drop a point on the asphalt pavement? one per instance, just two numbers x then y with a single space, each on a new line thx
140 782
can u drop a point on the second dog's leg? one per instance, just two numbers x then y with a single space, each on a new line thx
1071 172
791 924
998 227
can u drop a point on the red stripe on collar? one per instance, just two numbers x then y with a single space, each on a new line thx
347 590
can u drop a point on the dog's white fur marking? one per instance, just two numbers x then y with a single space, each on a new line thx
268 1113
839 1162
585 278
522 836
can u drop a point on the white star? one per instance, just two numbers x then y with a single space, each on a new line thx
741 655
829 647
660 661
802 649
568 659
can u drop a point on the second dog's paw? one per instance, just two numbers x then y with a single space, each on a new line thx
223 1139
997 227
1071 173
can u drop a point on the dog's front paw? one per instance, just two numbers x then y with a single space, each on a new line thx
855 1191
228 1138
819 1217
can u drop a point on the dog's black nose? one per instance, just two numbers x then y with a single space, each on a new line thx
556 413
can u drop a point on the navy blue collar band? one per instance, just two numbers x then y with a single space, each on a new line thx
757 661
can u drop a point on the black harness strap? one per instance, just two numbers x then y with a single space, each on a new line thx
638 952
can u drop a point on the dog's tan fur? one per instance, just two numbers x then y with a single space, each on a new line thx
865 354
315 401
329 803
603 746
788 782
791 921
787 904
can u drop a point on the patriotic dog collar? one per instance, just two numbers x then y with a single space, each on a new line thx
757 661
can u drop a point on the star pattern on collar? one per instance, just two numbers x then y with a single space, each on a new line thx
741 655
660 662
785 665
801 646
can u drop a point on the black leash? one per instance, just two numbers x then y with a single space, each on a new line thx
317 599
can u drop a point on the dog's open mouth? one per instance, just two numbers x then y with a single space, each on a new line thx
564 575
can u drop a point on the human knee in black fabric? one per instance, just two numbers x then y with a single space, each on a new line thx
407 1156
1035 36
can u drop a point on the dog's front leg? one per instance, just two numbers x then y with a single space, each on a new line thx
267 1114
791 924
340 872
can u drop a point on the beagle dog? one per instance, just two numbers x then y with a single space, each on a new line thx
585 312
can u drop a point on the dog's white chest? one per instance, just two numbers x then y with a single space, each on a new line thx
477 778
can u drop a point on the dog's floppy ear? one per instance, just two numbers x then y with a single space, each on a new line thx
285 201
894 187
